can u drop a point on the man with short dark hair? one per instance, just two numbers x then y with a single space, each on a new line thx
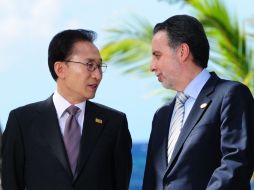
68 142
202 139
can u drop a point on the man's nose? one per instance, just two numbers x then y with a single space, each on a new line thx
97 74
153 66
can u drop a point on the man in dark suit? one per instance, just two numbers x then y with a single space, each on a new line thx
47 147
203 139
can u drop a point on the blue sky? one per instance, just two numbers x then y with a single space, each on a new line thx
27 27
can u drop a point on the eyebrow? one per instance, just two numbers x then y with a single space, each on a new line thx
95 60
156 52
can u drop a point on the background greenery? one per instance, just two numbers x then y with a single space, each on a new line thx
231 43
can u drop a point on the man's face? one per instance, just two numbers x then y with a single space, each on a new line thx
77 83
165 61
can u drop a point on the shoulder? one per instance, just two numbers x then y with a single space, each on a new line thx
225 85
29 109
105 109
232 94
22 116
235 88
164 110
113 119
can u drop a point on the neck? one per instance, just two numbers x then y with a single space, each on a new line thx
70 97
188 75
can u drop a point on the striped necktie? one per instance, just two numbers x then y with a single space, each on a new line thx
176 122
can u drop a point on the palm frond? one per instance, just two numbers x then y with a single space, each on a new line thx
129 45
231 53
228 41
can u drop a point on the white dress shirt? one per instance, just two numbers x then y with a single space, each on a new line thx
193 89
61 104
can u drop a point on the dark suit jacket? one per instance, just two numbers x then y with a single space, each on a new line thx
214 150
34 157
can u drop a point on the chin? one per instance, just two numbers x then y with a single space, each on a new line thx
90 96
167 86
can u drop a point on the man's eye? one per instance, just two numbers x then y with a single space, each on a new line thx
91 65
156 55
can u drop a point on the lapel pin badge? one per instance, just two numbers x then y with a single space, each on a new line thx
97 120
202 106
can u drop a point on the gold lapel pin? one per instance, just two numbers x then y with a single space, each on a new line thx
97 120
202 106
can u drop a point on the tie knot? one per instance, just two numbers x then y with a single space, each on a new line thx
72 110
181 97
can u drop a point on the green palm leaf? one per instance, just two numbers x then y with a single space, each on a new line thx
129 47
229 42
231 55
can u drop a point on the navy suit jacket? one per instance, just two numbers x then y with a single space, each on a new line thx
34 156
215 148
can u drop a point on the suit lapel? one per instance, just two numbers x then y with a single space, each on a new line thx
94 122
50 132
165 125
195 115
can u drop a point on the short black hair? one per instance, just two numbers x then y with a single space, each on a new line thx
187 29
62 43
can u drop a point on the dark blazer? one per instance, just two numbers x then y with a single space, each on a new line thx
215 148
34 156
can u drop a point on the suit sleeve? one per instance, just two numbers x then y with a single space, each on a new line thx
13 156
122 157
236 128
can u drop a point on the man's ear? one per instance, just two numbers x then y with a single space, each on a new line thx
60 69
184 52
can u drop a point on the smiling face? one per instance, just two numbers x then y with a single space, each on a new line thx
165 61
75 83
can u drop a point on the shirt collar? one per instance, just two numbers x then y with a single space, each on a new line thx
61 104
195 86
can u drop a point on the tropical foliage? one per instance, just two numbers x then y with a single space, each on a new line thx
231 46
231 54
129 46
